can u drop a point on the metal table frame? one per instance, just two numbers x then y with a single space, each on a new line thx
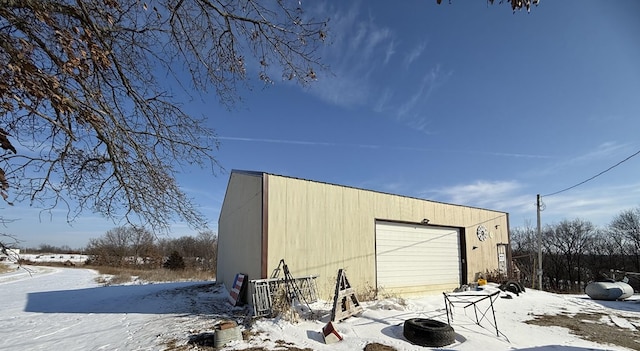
469 300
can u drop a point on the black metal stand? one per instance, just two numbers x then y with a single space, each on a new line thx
468 300
292 290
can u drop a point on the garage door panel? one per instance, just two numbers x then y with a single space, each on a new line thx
416 255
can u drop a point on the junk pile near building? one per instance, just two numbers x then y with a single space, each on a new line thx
286 296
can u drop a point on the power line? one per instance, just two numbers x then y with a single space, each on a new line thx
595 176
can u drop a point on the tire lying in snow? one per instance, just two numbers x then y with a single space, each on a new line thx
513 287
428 332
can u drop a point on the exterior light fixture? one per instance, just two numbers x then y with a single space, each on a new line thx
425 221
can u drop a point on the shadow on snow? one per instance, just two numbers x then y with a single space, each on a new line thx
560 348
157 298
631 304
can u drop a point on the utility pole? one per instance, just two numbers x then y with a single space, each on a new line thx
538 205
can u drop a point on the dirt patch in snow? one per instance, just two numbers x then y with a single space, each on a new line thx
378 347
281 344
592 327
287 347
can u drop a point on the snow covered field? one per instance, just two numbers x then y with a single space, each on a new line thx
65 309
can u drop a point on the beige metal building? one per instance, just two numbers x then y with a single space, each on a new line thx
387 243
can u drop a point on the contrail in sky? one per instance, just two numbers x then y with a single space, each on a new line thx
371 146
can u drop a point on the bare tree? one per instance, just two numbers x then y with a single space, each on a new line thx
567 243
89 118
518 4
209 249
515 4
124 246
198 252
142 245
610 250
626 227
524 248
7 246
8 242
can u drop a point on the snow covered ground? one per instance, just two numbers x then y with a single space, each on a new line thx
66 309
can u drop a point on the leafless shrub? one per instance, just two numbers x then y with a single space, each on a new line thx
283 307
371 293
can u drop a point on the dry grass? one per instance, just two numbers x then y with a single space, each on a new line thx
67 264
370 293
4 268
118 275
282 307
367 293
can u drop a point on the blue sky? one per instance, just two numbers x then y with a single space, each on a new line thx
462 103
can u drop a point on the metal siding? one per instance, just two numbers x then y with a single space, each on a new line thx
332 234
278 210
314 250
416 256
240 229
319 228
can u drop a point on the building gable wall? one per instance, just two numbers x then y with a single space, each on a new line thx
240 228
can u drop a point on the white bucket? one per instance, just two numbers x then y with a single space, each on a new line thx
222 337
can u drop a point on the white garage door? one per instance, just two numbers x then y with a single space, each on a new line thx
410 255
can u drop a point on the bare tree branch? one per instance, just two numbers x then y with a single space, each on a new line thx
88 121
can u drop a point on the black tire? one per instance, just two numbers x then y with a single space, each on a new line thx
428 332
513 287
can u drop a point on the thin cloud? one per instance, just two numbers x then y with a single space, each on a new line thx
598 205
372 146
411 110
375 40
279 141
397 187
358 49
508 195
383 101
391 50
361 50
414 54
603 151
429 82
480 193
343 90
509 154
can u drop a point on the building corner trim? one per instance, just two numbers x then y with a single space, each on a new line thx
265 226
